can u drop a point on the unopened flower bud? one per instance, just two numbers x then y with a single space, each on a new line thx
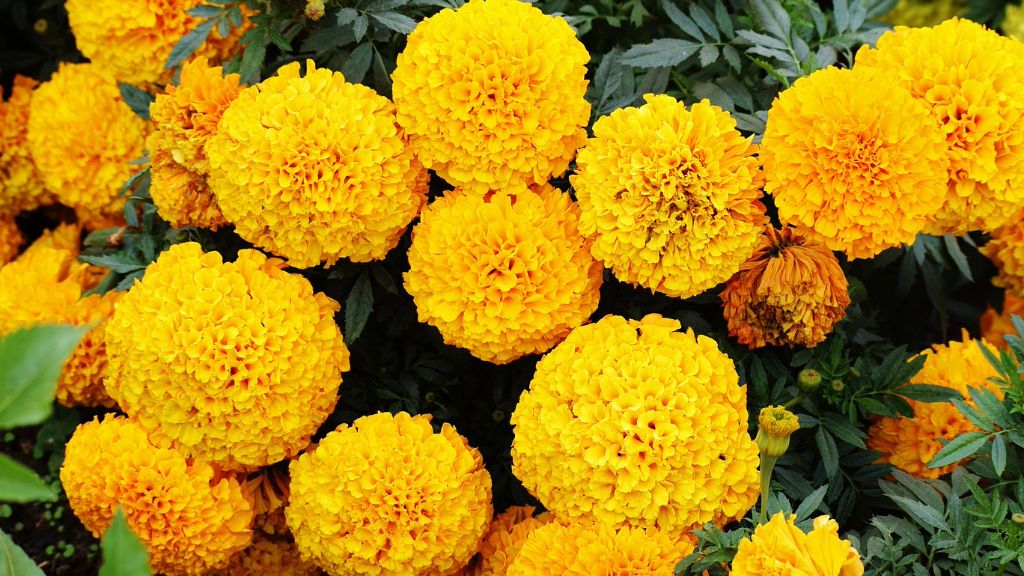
837 385
1017 518
41 26
498 415
808 380
315 9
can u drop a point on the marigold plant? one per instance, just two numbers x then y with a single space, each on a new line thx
10 239
21 184
670 195
512 109
780 547
503 275
388 495
243 371
597 434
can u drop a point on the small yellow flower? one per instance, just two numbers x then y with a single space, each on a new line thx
779 547
315 9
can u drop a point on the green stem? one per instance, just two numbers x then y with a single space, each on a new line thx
767 465
796 400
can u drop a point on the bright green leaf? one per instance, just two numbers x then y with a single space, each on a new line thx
14 561
30 363
18 483
123 552
999 455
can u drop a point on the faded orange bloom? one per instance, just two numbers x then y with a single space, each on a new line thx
779 547
995 325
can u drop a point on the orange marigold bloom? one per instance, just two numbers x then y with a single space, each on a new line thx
505 537
10 239
670 195
245 369
81 381
268 557
910 443
503 275
492 94
1006 250
853 160
779 547
591 549
995 325
972 81
21 184
190 518
791 292
83 137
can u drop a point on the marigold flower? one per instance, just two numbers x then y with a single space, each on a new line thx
315 169
853 160
81 381
21 187
10 239
1013 21
190 518
597 434
503 275
779 547
588 549
972 80
39 287
492 94
269 557
995 325
387 495
790 292
1006 251
245 369
775 425
910 443
670 195
503 540
83 136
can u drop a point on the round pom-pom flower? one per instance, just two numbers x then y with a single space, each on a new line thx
241 373
670 195
911 443
492 94
10 239
21 184
791 292
503 275
853 160
190 518
83 138
995 325
780 547
505 537
972 81
598 549
388 495
598 433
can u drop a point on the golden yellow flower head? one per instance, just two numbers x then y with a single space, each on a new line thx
670 195
779 547
853 160
588 549
910 443
503 275
81 381
39 287
388 495
21 187
972 80
995 325
268 557
190 518
83 137
790 292
597 434
919 13
492 94
505 537
10 239
243 371
315 169
775 425
1006 250
1013 22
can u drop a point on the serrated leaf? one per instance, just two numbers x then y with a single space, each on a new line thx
842 429
359 26
136 99
18 483
723 18
999 455
31 360
772 17
663 52
346 16
383 278
811 503
682 20
922 514
119 262
708 55
732 56
829 452
957 255
394 21
206 11
929 393
189 43
963 446
14 561
358 306
701 17
123 552
990 406
384 5
972 414
358 63
252 62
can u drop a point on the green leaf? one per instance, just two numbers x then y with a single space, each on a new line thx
189 43
354 69
206 11
841 11
394 21
999 455
929 393
991 406
383 278
346 16
701 17
963 446
772 17
841 428
252 62
811 503
31 360
18 483
120 262
922 514
137 99
14 561
359 26
682 20
659 53
957 255
708 55
358 306
829 452
123 552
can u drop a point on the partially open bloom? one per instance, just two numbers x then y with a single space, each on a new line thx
268 557
791 292
83 137
779 547
387 495
910 443
492 94
775 425
10 239
1006 250
670 195
505 537
503 275
972 81
582 549
995 325
189 517
853 160
598 433
314 169
243 371
21 184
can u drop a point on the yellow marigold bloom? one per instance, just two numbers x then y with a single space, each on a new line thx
268 557
995 325
1013 22
1006 250
492 94
853 160
790 292
10 239
190 518
670 195
597 434
21 184
503 275
83 136
387 495
591 549
918 13
910 443
243 371
505 537
315 169
779 547
39 287
972 80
